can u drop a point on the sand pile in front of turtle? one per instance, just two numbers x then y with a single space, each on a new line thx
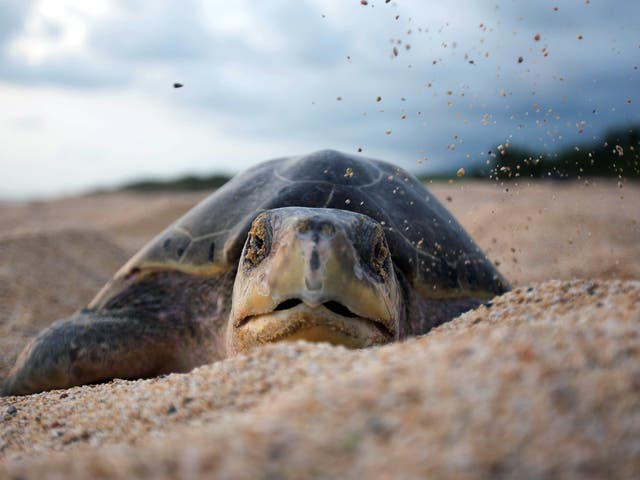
543 383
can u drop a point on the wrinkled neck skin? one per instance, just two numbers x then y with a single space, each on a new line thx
316 275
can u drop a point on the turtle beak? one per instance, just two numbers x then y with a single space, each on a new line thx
306 278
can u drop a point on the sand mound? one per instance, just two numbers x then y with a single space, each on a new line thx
543 383
130 218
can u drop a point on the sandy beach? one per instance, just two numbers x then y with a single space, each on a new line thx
542 383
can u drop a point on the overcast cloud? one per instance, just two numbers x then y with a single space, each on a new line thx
87 98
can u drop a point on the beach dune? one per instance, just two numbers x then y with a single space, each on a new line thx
541 382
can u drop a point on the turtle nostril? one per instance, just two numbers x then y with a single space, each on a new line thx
287 304
338 308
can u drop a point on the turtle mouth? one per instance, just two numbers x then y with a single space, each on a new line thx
330 322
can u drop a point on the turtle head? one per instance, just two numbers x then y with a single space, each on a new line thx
314 274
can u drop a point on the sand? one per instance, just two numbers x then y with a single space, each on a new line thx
544 382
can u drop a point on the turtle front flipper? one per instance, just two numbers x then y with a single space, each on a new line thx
93 346
164 322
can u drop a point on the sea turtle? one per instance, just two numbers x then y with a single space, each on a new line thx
321 247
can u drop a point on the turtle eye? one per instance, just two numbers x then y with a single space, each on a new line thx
379 253
258 242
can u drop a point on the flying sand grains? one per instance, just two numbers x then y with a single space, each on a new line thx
460 172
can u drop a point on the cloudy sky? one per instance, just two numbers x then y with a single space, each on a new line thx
86 96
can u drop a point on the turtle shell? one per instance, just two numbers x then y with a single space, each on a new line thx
431 249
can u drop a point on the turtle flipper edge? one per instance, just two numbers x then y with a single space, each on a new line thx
94 346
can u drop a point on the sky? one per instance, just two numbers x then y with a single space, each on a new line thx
87 98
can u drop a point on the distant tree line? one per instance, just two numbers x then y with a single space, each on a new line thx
618 155
190 182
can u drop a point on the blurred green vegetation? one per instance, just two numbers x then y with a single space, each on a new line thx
189 182
617 155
